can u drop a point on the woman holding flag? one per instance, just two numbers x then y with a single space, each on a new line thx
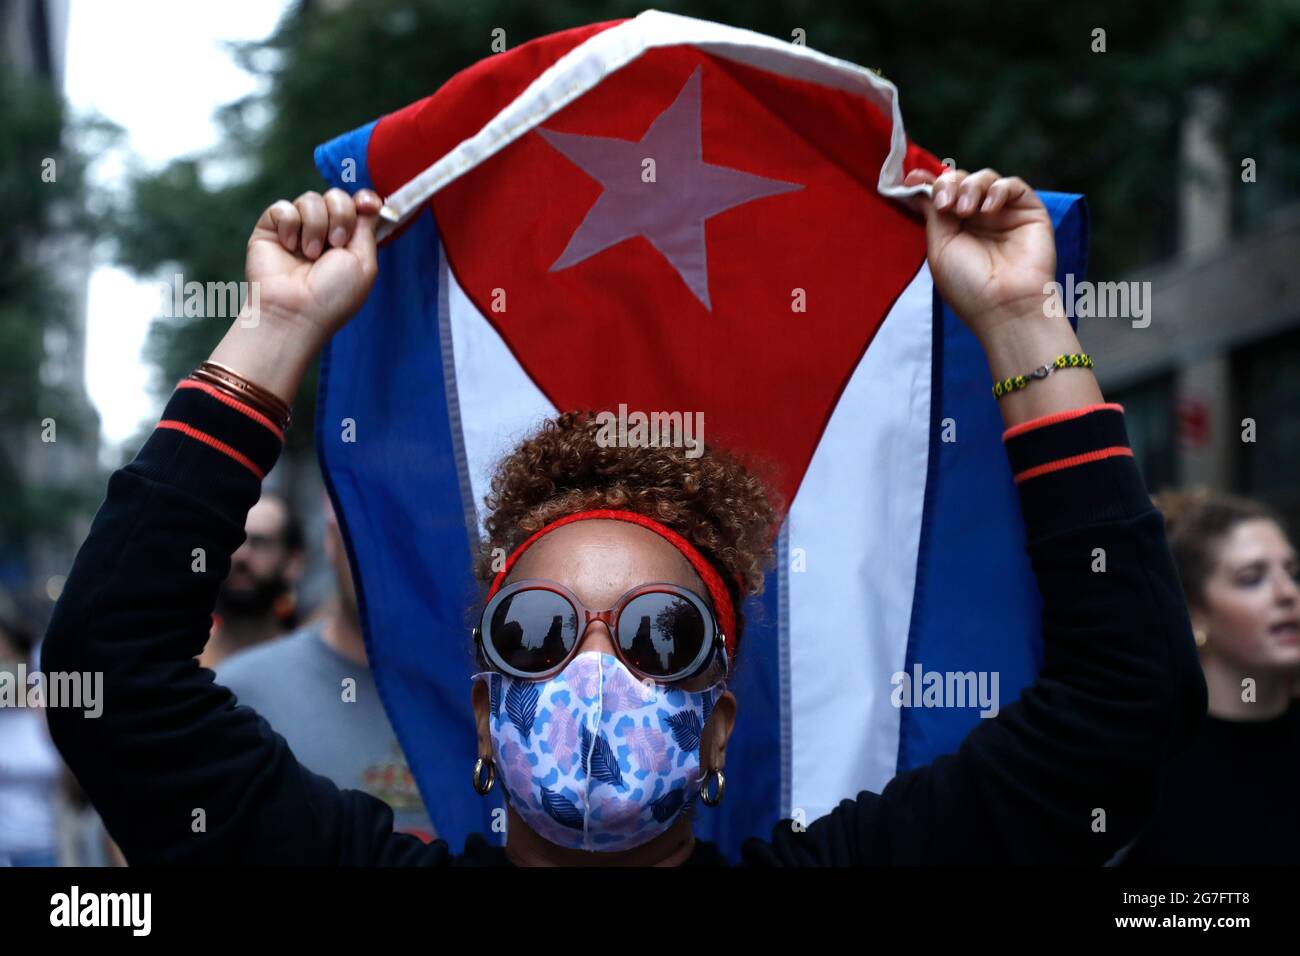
616 612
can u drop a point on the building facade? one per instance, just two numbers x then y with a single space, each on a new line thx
1212 385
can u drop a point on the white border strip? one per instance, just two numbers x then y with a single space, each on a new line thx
585 66
499 403
850 598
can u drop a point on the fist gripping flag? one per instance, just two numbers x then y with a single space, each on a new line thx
668 215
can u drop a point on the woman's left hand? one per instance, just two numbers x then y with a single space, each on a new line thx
991 246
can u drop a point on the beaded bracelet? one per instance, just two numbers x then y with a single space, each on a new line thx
1009 385
236 386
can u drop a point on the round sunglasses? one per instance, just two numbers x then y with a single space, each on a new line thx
531 629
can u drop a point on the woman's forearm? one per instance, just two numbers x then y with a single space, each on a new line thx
1021 344
270 350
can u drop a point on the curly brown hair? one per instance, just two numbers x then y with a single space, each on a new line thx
725 506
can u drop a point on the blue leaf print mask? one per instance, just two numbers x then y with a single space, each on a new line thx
594 759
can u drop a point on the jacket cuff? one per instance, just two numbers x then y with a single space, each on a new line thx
1074 469
212 444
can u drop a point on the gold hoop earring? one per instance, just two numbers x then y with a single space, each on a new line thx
1200 637
483 787
719 789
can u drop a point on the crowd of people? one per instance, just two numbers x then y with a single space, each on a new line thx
1229 798
1117 718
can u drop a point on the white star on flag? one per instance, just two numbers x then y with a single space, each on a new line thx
670 210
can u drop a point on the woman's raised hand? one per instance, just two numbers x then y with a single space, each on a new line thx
314 258
310 265
990 244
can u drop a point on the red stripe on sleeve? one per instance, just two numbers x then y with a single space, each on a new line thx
216 443
234 403
1063 463
1055 417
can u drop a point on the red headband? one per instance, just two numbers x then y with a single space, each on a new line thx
712 580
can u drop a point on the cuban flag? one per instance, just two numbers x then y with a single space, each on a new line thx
674 215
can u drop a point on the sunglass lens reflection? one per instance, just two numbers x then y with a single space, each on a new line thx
533 630
660 633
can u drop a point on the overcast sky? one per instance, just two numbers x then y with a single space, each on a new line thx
157 68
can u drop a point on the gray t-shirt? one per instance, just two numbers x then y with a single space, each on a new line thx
336 729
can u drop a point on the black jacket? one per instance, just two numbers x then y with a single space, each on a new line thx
1068 773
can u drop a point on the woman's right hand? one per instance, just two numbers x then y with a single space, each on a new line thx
313 259
310 265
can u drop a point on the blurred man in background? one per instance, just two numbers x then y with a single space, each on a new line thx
256 603
316 689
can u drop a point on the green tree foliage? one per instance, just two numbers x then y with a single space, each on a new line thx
30 115
1022 87
41 198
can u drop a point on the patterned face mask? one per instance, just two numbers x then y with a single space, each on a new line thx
594 759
